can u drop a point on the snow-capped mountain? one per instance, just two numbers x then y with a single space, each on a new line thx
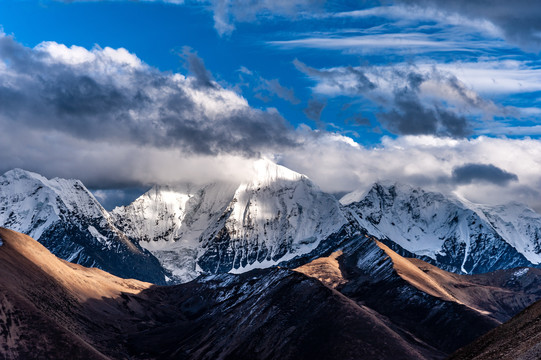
519 225
452 232
169 221
65 217
273 216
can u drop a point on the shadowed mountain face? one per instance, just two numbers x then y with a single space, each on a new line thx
66 218
442 309
519 338
368 309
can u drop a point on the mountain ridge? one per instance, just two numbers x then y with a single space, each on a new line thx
443 229
65 217
174 233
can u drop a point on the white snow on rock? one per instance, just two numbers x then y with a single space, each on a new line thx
30 203
275 208
432 224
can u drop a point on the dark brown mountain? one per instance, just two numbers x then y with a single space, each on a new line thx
54 309
48 306
369 304
517 339
442 309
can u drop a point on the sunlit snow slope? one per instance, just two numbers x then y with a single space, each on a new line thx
274 215
65 217
453 232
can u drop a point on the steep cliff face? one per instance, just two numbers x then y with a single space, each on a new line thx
453 233
65 217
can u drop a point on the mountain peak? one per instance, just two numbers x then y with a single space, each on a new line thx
381 186
18 174
267 171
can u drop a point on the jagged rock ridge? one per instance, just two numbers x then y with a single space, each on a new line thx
65 217
451 232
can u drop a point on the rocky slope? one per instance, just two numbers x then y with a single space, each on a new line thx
442 309
376 305
519 338
54 309
65 217
48 306
448 231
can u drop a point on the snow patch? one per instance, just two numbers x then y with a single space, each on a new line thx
521 272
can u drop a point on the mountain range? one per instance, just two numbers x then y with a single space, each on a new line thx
364 301
265 268
172 234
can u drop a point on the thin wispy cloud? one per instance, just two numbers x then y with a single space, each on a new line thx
417 43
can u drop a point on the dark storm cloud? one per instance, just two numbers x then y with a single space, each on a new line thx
314 109
107 99
471 173
403 111
410 117
518 19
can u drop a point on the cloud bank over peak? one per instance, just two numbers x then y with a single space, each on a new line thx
482 169
107 107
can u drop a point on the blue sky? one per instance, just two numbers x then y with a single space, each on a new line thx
329 88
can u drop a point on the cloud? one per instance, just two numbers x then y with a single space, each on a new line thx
196 66
314 109
270 88
338 164
228 12
386 43
106 117
348 79
265 89
411 100
519 20
494 76
410 117
470 173
107 95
